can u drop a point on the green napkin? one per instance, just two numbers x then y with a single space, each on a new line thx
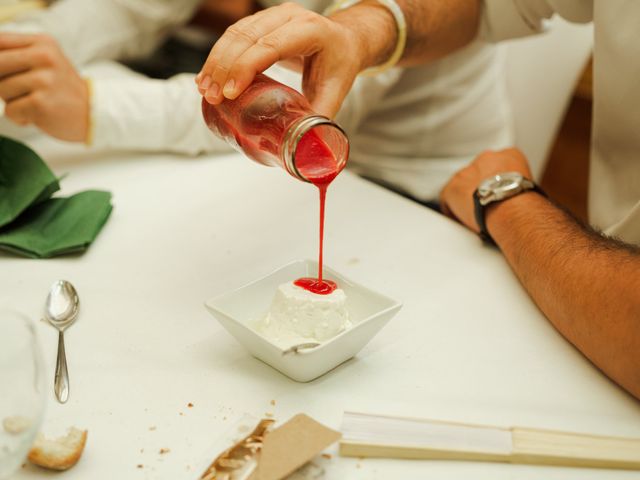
31 223
25 180
58 225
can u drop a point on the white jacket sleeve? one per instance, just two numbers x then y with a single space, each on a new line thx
107 29
138 113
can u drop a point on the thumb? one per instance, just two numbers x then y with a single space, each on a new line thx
325 92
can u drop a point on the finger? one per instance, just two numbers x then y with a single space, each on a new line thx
16 40
444 208
288 41
446 211
279 14
326 88
15 61
444 204
22 110
235 41
295 64
22 84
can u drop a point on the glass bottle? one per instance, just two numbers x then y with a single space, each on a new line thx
275 125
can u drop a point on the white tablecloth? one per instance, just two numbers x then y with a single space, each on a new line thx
469 345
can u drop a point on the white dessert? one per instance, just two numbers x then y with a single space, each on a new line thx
298 316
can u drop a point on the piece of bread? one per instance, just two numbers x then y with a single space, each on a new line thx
60 453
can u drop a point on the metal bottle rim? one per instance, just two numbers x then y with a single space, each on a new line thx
294 134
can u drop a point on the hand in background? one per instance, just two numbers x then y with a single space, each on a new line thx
456 198
329 51
40 86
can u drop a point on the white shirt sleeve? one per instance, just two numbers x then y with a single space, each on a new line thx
505 19
107 29
365 94
138 113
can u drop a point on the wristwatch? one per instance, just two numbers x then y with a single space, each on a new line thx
496 189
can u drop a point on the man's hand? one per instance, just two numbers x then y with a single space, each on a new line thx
331 52
456 199
40 86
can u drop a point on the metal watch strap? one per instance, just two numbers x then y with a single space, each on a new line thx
480 211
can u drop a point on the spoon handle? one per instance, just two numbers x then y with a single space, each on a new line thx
61 384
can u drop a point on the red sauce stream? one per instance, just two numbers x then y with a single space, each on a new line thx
317 163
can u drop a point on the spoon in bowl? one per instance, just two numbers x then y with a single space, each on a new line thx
61 311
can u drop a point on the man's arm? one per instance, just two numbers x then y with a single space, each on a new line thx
436 28
586 284
333 51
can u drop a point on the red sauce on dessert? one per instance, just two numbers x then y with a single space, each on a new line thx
313 285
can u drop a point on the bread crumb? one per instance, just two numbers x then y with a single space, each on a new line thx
181 414
327 456
61 453
142 450
16 424
190 405
164 450
152 428
273 402
139 466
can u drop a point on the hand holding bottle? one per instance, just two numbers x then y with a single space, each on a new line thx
329 51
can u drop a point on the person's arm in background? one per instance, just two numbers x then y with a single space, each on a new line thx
586 284
134 112
90 30
40 54
122 110
334 50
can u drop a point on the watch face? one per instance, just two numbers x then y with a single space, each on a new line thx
500 186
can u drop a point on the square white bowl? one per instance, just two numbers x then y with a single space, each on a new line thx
240 309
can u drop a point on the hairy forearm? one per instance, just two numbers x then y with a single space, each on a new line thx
375 30
587 285
435 28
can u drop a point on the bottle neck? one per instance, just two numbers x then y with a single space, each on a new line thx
292 138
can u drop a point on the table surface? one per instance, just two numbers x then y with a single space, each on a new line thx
468 345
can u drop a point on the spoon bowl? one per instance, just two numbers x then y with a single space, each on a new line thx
62 305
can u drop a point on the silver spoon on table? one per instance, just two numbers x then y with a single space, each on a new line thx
61 311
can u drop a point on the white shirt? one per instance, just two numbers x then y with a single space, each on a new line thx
614 193
409 128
